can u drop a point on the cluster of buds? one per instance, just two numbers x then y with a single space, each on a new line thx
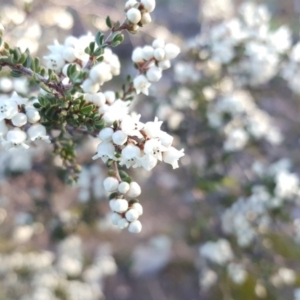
138 13
125 213
19 122
151 61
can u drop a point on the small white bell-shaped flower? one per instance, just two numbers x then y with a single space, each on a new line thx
130 155
152 129
134 15
110 184
119 137
38 132
19 120
123 187
155 148
172 155
120 205
105 151
134 190
149 5
135 226
15 138
105 134
141 84
131 215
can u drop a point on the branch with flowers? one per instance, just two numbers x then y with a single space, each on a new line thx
71 99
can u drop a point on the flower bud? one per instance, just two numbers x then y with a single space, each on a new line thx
120 205
115 218
100 73
131 3
19 120
123 187
134 15
135 227
138 207
112 203
134 190
110 96
98 99
164 64
149 5
131 215
119 137
146 19
106 134
122 223
158 43
154 74
33 115
137 55
110 184
171 51
159 54
88 86
148 52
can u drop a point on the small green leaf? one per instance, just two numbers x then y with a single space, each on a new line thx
108 22
87 109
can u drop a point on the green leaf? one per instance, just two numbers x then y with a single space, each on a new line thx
99 38
87 109
15 73
108 22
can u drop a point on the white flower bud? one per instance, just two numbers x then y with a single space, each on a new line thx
137 55
110 184
100 73
112 203
154 74
123 223
110 96
159 54
106 134
123 187
98 99
171 51
115 218
120 205
130 4
88 86
158 43
119 137
148 52
19 120
134 15
146 19
149 5
138 207
33 115
134 190
69 54
38 132
131 215
164 64
135 227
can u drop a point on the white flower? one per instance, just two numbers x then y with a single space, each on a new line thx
19 119
172 155
8 109
33 115
141 84
122 223
149 5
105 134
131 215
135 227
97 99
100 73
152 129
154 74
105 151
3 128
15 138
132 126
130 4
159 54
119 137
134 15
38 132
164 64
138 207
165 139
130 154
148 162
115 218
146 18
69 54
171 51
123 187
137 55
155 148
147 53
110 184
134 190
120 205
89 86
110 96
55 62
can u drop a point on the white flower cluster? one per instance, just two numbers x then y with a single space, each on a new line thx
249 215
134 144
73 52
238 116
248 45
125 213
19 123
151 61
49 272
138 13
218 252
